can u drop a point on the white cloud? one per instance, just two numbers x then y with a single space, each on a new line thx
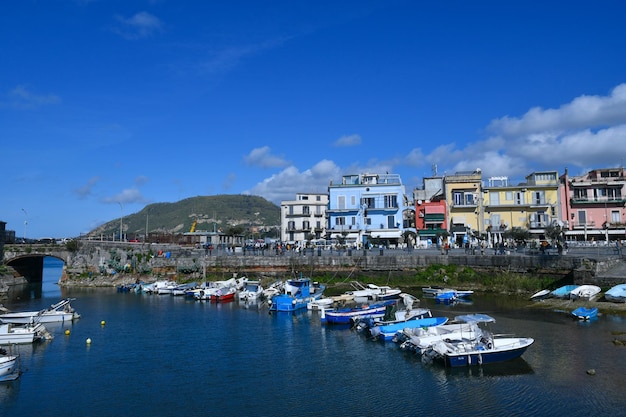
288 182
22 98
588 131
127 196
263 158
140 25
348 140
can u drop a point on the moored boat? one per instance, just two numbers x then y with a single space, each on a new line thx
347 315
56 313
585 292
463 328
563 292
616 294
9 366
488 348
540 295
10 334
296 294
585 313
388 331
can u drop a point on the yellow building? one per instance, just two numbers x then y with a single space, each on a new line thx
532 205
463 194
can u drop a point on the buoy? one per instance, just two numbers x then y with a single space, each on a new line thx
102 323
67 332
88 341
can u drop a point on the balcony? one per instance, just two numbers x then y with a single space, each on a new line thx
597 200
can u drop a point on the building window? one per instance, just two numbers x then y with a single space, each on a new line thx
369 202
340 221
318 198
341 202
391 201
305 210
391 222
305 225
352 201
353 221
457 197
368 221
291 225
539 197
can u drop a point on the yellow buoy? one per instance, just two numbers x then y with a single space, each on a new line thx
88 341
67 332
102 323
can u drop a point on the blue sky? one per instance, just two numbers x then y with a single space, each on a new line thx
109 105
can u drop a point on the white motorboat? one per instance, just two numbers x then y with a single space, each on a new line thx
251 291
374 292
10 334
57 313
8 365
464 328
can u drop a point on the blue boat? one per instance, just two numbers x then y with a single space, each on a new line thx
446 297
617 294
296 294
585 313
388 331
350 314
564 291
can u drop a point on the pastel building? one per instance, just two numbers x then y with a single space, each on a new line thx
369 208
464 197
594 204
533 204
430 209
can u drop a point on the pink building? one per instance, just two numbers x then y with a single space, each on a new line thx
593 204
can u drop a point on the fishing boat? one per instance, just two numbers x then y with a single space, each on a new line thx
56 313
616 294
391 316
585 313
387 332
296 294
347 315
585 292
563 292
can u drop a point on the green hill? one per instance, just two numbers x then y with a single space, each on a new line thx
212 213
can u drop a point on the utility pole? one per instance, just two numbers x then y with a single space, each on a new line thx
121 220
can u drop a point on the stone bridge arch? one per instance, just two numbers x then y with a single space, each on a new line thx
30 265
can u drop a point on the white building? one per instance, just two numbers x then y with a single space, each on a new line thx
304 218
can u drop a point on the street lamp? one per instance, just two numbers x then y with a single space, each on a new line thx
121 220
25 223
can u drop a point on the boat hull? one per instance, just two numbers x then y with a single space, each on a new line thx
584 313
36 317
348 315
8 365
478 357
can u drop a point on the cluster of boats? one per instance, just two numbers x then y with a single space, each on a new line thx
464 341
616 294
24 327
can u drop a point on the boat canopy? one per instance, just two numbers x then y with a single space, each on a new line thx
475 318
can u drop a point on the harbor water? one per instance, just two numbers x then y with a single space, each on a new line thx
170 356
